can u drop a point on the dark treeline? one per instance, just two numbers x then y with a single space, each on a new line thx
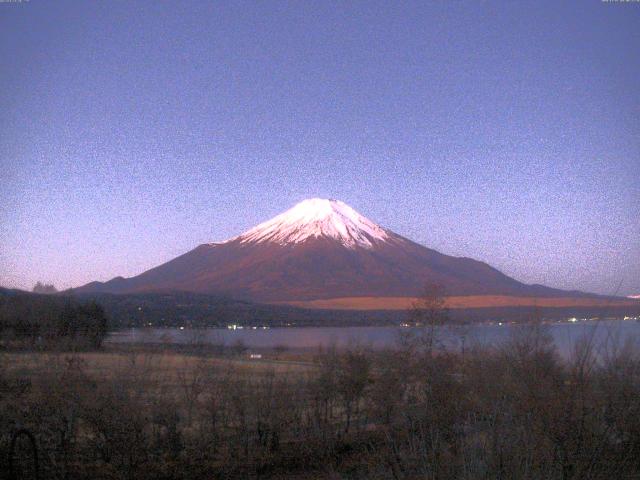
200 310
515 411
47 321
46 288
178 309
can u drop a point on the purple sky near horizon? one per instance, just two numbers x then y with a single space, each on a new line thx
131 132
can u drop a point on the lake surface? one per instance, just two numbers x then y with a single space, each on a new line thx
565 335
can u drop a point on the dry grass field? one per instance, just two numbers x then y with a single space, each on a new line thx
514 411
470 301
167 365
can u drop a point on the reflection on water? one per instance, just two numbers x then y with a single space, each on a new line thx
565 335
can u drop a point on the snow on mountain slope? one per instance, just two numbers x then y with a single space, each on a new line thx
315 218
321 249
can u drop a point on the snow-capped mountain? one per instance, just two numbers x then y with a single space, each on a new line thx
321 249
317 218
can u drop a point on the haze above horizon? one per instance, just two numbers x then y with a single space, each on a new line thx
132 132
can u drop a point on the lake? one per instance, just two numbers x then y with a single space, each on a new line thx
565 335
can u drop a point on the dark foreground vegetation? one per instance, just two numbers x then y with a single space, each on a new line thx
515 411
44 322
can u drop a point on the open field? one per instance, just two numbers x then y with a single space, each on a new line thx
168 365
169 412
455 302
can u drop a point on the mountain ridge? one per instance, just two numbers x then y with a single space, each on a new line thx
317 250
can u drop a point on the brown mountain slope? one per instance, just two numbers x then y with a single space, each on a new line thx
320 268
319 250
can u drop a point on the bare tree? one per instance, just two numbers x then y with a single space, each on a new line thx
352 380
429 312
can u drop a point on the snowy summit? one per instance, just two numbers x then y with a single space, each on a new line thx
315 218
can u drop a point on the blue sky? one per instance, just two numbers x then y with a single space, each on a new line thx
133 131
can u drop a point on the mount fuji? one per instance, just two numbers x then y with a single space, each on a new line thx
322 253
